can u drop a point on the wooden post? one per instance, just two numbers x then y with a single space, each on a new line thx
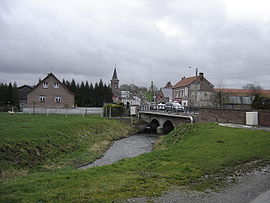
110 113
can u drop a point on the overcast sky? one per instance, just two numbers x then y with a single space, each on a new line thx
228 40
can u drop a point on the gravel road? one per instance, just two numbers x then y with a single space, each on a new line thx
253 187
127 147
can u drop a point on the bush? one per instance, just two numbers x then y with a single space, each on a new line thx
261 102
114 109
5 108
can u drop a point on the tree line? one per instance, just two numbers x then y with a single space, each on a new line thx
89 95
8 96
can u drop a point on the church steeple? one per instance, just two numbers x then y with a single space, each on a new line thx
114 74
114 80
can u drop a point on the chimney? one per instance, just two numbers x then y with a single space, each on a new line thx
183 78
201 75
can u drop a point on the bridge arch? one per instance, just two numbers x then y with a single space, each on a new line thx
168 126
154 125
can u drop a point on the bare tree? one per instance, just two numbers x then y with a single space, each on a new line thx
220 93
255 88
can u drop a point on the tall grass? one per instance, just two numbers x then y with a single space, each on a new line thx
41 143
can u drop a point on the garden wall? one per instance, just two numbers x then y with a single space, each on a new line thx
237 116
78 110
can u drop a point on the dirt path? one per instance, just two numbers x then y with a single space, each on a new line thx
253 187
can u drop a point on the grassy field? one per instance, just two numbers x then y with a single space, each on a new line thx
198 156
32 143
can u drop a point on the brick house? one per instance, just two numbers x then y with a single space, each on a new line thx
50 93
194 91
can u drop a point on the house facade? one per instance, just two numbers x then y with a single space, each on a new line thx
165 94
50 93
22 95
194 91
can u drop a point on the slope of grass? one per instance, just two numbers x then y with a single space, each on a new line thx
199 156
40 142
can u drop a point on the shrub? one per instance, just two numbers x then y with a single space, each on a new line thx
261 102
114 109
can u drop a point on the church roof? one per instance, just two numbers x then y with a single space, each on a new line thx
114 74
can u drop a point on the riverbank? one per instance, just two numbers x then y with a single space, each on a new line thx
198 157
33 143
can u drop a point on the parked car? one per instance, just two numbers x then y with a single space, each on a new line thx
161 107
174 106
153 106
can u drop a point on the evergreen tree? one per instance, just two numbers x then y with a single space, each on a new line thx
88 95
91 95
15 96
10 94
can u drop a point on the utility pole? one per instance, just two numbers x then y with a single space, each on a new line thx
152 90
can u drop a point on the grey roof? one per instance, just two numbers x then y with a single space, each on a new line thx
114 74
238 99
167 92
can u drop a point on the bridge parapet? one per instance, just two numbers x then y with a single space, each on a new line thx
157 108
165 122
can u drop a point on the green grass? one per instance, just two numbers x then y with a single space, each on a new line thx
39 142
182 158
148 95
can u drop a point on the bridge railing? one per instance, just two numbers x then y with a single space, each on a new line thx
156 108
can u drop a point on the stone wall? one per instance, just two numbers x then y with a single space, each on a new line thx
222 116
236 116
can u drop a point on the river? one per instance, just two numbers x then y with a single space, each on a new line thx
125 148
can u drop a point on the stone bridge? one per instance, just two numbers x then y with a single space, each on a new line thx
164 122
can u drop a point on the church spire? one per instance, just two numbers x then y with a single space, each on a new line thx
114 80
115 74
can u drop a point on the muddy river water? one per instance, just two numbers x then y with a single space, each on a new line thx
127 147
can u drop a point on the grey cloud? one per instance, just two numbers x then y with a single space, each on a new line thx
148 40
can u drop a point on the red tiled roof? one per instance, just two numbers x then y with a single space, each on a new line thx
185 82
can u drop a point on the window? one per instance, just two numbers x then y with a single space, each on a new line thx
247 100
186 91
58 99
56 85
45 85
42 98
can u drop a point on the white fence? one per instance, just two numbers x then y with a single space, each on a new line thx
78 110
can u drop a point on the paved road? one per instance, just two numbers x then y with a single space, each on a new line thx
127 147
263 198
